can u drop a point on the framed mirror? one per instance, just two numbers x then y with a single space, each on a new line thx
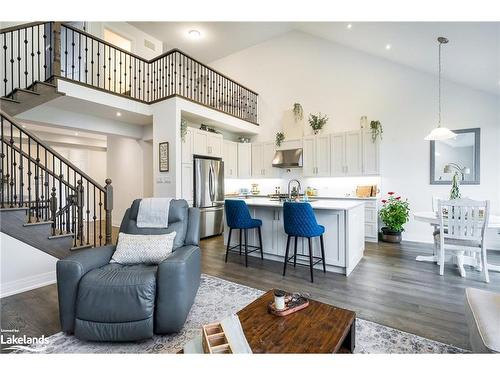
457 155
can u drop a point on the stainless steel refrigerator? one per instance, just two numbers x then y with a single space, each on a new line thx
209 194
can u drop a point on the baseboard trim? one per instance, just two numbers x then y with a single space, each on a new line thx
27 283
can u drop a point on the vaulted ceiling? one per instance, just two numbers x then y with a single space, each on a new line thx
472 57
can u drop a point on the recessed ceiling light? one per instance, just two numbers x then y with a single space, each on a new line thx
118 114
194 34
349 26
76 133
388 46
24 126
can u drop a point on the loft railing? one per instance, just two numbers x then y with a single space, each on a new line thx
35 177
41 51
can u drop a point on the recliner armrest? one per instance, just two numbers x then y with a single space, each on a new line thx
69 272
177 281
193 228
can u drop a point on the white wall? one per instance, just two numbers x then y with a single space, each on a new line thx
346 84
126 168
22 267
126 30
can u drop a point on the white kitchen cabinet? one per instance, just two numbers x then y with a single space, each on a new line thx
187 182
353 153
262 160
316 156
371 155
230 158
187 147
244 160
206 143
346 154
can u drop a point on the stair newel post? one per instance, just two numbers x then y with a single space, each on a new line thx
53 210
80 198
108 207
56 49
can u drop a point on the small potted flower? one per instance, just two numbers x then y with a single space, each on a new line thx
395 214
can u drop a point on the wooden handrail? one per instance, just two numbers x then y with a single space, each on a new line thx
22 26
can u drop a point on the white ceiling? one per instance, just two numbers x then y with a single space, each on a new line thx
472 57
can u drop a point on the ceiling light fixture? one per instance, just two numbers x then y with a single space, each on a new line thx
349 26
439 133
194 34
118 114
24 126
76 133
388 46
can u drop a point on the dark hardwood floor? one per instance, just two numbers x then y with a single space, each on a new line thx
388 287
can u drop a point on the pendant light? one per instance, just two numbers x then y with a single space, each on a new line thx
440 132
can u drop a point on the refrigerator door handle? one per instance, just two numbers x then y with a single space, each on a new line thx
211 183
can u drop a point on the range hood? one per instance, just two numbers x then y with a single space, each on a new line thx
288 158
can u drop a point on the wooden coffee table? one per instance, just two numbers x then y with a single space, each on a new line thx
319 328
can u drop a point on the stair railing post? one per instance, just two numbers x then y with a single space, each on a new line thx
108 207
79 204
56 49
53 210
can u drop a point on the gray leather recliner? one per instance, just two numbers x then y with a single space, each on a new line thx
102 301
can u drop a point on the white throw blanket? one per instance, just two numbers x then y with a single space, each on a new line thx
153 213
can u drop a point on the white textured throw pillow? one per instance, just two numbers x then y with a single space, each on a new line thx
140 248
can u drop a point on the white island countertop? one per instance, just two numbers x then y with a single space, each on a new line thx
321 204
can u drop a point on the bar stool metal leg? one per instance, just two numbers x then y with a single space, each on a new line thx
311 258
295 253
260 242
240 239
286 255
323 252
228 242
246 247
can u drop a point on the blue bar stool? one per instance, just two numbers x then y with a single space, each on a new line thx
300 221
238 217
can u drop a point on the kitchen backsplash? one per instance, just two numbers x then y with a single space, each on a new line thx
326 186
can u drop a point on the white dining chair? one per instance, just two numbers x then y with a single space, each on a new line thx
463 224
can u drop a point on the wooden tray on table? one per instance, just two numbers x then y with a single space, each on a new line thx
293 303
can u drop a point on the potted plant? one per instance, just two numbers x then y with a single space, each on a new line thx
184 127
280 137
395 214
298 112
455 188
317 122
377 130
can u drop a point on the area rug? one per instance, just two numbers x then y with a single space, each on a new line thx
218 298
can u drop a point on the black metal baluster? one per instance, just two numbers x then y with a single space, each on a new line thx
12 167
94 217
120 77
21 167
46 185
7 175
100 218
104 66
38 51
2 166
98 63
29 179
91 62
37 184
114 70
88 213
62 215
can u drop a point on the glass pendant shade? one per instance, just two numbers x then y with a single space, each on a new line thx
439 134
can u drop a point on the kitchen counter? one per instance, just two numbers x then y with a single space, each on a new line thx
344 232
322 204
322 197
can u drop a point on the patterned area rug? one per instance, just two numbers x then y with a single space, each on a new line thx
218 298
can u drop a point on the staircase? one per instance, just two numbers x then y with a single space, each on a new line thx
21 100
46 201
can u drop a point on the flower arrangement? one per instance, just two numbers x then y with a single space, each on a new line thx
317 122
394 213
298 112
377 130
280 137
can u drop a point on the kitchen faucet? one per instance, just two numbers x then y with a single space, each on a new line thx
298 187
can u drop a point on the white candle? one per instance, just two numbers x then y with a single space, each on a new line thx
279 299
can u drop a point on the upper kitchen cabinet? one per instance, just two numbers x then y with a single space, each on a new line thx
346 154
230 158
262 160
316 156
244 160
206 143
371 154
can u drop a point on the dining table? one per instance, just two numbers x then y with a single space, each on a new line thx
431 217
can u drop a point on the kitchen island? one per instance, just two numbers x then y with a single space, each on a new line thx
344 232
